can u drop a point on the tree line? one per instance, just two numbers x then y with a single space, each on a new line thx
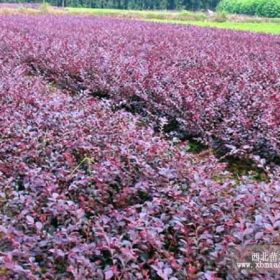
132 4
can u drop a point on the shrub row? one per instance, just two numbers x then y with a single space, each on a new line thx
221 86
264 8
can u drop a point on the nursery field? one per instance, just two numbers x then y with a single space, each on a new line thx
136 150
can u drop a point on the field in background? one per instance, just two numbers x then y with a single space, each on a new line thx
270 28
216 20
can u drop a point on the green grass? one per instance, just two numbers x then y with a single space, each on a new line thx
175 15
253 24
272 28
96 11
266 27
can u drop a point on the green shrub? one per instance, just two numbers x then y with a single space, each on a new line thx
269 8
187 15
45 7
220 17
265 8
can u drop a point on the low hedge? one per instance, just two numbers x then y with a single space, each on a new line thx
265 8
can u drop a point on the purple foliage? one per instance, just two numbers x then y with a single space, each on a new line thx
221 86
87 192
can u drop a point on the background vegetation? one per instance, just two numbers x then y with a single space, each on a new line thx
133 4
263 8
266 8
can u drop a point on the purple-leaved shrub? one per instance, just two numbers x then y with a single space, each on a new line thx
87 192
